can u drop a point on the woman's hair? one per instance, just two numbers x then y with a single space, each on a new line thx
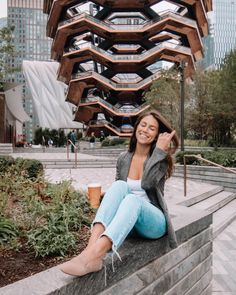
164 126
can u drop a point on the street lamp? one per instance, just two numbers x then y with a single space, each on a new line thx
181 69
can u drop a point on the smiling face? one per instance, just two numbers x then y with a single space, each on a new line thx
147 130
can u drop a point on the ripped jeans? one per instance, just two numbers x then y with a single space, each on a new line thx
121 212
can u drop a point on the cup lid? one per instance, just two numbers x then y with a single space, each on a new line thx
94 184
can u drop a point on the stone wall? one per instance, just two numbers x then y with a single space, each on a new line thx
210 174
147 266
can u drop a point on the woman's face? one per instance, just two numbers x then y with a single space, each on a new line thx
147 130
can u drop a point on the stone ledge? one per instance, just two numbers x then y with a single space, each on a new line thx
209 174
135 253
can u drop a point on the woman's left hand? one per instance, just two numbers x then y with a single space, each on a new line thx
164 140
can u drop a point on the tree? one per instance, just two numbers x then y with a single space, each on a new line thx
6 50
198 116
164 96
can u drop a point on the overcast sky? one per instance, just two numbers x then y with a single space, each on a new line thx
3 8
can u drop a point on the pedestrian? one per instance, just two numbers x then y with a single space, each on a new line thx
134 203
102 136
92 140
73 140
50 142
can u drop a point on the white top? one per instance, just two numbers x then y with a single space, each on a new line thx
136 189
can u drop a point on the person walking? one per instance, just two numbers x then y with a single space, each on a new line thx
92 140
73 140
135 201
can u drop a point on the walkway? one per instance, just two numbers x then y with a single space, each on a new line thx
224 262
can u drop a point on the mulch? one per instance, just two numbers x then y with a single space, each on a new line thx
17 265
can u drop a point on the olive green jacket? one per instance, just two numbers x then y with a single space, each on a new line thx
153 181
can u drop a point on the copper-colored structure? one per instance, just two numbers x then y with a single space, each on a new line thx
110 55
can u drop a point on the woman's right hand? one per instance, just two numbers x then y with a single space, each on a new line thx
164 140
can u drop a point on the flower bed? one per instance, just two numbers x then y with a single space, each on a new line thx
40 223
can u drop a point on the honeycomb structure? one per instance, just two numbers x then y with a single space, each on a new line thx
110 51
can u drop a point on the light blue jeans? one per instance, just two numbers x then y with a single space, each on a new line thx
121 212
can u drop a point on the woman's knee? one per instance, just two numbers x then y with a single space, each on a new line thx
133 201
120 185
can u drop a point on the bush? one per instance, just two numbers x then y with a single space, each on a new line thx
106 142
224 158
54 224
5 163
48 216
114 141
54 238
8 230
32 168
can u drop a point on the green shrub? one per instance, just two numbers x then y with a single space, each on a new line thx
32 168
8 230
54 238
106 142
5 163
224 158
54 224
179 158
114 141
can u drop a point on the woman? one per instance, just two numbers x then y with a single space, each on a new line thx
135 201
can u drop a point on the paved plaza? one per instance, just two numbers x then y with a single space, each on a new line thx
224 246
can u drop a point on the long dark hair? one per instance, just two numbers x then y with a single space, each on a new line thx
164 126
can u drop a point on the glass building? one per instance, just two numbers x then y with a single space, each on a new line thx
30 43
222 38
224 21
3 22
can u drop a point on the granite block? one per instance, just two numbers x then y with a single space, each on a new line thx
157 268
169 279
194 282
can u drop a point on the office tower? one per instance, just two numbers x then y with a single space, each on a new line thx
109 54
224 22
30 43
222 38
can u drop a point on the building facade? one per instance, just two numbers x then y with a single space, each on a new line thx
224 22
222 38
30 43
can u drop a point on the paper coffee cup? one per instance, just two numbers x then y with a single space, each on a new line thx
94 194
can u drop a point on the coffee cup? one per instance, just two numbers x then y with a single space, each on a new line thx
94 194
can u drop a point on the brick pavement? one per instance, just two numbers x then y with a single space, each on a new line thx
224 262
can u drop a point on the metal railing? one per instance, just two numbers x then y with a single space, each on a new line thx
199 157
115 57
174 15
69 142
114 85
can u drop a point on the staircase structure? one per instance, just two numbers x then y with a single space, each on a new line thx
6 149
110 55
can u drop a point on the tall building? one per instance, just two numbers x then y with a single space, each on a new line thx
30 43
222 38
224 22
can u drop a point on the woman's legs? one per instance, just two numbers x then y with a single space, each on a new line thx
133 211
108 208
90 260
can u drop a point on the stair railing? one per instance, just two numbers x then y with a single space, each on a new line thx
69 142
199 157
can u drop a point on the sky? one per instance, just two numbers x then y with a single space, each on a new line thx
3 8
